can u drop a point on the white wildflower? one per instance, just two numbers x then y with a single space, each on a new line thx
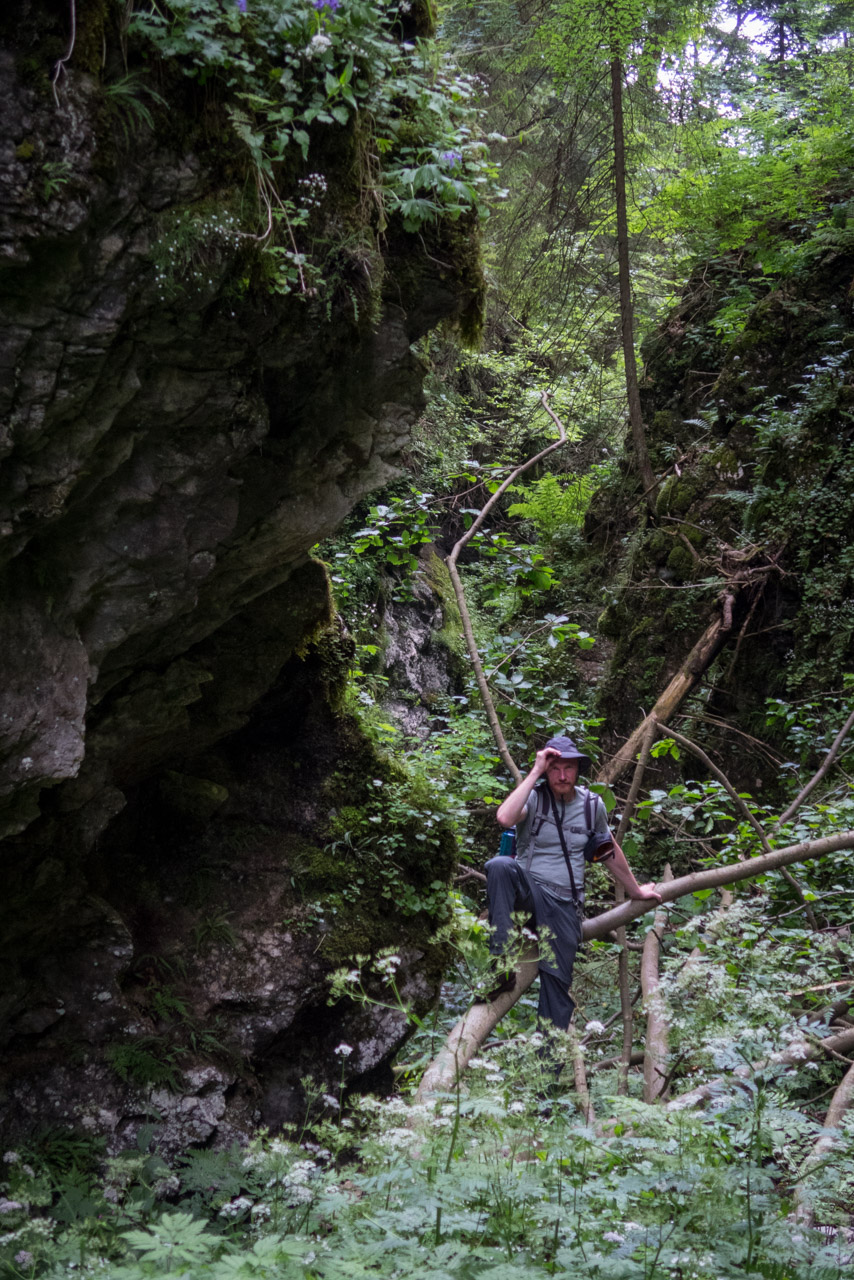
24 1258
516 1109
321 1152
397 1138
11 1157
330 1101
299 1195
9 1206
343 1050
595 1028
235 1207
317 44
388 965
613 1237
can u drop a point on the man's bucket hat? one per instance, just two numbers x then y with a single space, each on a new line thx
569 751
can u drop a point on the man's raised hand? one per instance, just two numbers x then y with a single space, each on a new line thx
544 759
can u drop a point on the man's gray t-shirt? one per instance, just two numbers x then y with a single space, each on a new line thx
541 856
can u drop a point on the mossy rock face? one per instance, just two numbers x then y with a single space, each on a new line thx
451 635
763 437
658 544
612 621
644 627
676 496
696 536
680 562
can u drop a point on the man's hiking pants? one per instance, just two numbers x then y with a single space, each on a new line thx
556 921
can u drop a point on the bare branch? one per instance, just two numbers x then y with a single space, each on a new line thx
743 809
835 748
637 778
59 68
798 1052
713 878
585 1103
721 777
459 592
468 873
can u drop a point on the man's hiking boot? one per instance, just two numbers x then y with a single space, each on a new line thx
502 980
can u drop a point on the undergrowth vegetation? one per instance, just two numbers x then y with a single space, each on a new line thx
503 1176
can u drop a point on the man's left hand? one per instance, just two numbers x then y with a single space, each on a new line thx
647 892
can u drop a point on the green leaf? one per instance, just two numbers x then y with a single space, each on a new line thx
608 797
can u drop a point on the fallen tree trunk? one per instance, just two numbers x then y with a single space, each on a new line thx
698 661
603 924
798 1051
472 1029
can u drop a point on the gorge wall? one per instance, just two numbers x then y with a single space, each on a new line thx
175 762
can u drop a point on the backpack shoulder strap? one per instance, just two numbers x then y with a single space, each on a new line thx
542 806
590 798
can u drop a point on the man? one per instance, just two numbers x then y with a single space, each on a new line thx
559 827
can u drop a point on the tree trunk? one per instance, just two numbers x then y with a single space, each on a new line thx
626 307
655 1055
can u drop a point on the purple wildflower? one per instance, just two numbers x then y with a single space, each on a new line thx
451 158
241 4
331 5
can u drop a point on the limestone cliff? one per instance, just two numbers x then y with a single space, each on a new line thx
172 762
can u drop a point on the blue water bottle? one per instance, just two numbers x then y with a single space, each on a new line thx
507 847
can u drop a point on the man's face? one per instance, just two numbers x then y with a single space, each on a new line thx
562 776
